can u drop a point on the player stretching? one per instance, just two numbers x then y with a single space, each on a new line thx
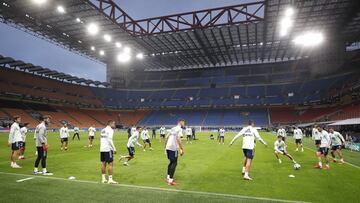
337 141
172 146
23 132
42 145
280 148
188 132
298 135
131 146
249 134
162 133
146 139
76 133
64 137
15 139
316 136
107 150
324 148
92 131
221 136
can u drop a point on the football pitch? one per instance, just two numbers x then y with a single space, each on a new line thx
208 172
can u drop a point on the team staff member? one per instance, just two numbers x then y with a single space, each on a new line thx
249 134
172 146
42 145
107 151
15 139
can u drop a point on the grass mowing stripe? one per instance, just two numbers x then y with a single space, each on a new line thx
157 189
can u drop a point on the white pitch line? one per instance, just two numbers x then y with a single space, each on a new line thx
25 179
162 189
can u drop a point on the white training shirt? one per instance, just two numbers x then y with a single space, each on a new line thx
336 138
281 132
64 132
173 138
106 140
279 146
15 134
76 129
23 132
188 131
222 132
92 131
315 134
325 139
298 134
133 129
145 135
249 136
162 131
133 139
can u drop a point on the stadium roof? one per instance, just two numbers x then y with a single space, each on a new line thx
7 62
233 35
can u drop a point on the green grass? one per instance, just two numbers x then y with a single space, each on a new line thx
207 167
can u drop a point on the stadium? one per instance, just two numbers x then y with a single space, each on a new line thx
166 107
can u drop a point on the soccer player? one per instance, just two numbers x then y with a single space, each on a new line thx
162 133
64 136
131 146
221 136
145 138
298 135
337 143
153 135
316 136
15 139
76 133
249 134
92 131
107 151
281 132
172 146
188 132
42 145
323 148
280 148
23 132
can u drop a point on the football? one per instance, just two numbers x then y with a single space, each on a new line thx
297 166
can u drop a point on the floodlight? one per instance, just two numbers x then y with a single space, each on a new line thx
309 39
127 50
123 57
102 53
118 44
289 12
140 56
92 48
107 38
39 1
93 29
60 9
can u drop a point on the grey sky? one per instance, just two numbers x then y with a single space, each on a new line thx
23 46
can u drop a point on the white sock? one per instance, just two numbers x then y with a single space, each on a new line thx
168 177
246 174
243 169
320 164
36 169
294 161
171 180
44 170
103 176
110 177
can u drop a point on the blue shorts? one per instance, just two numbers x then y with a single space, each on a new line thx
336 147
317 142
248 153
22 144
106 157
324 150
15 146
298 141
172 155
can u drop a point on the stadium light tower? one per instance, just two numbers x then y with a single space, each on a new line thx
286 21
93 29
102 53
118 44
92 48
